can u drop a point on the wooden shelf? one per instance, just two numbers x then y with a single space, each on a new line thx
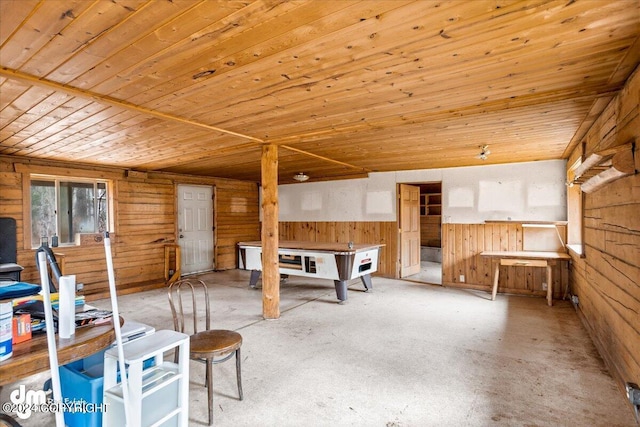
602 167
431 204
497 221
431 214
540 235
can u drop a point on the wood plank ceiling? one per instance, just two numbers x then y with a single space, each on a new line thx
342 87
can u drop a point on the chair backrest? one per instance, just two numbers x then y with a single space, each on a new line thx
8 252
185 296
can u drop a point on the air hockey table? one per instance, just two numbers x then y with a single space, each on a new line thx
340 262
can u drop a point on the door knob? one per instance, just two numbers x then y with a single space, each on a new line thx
181 236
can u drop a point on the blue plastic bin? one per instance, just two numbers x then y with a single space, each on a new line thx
83 380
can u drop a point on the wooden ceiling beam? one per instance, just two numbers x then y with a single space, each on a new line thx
105 99
327 159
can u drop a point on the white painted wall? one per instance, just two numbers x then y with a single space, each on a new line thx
517 191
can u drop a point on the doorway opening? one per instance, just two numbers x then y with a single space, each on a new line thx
430 234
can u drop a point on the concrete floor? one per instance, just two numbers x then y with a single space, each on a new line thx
430 272
406 354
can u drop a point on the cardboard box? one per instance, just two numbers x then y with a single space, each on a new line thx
21 328
88 239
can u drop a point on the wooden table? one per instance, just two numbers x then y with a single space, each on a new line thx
526 259
32 357
340 262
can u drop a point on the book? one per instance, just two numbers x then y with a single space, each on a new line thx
93 317
85 315
39 297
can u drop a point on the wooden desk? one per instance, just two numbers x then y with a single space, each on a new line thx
32 357
526 259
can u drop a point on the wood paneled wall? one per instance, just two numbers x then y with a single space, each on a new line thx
462 244
237 215
461 248
359 232
606 278
145 220
431 230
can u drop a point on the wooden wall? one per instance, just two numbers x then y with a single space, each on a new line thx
431 230
606 278
237 219
145 220
360 232
461 248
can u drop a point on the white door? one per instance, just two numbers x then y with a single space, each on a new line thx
195 228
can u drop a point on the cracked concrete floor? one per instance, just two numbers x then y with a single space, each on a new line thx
406 354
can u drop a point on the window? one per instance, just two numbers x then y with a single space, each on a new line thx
574 206
574 215
63 207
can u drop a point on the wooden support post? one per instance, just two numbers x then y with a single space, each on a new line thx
169 279
62 262
270 270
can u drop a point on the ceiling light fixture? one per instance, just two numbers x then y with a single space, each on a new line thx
484 152
301 177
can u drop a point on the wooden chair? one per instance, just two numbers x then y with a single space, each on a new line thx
211 346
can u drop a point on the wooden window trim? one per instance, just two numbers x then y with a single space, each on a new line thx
80 175
575 214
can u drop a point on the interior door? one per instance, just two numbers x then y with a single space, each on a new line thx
195 228
409 226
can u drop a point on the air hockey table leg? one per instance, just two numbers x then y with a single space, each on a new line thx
255 275
366 281
341 290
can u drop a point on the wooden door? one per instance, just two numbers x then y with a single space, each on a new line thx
195 228
409 225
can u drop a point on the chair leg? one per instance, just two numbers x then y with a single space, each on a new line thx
209 385
9 421
238 374
206 372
